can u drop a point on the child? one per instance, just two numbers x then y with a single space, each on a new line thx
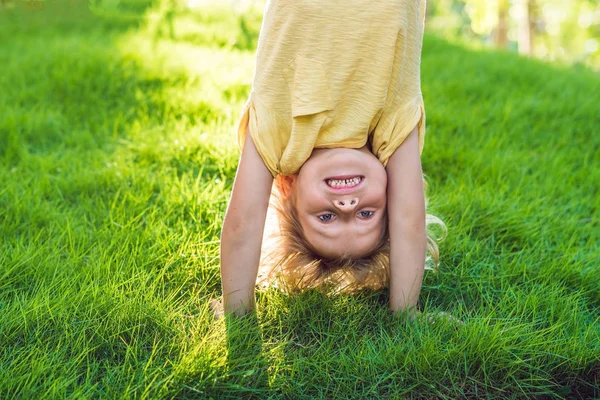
336 118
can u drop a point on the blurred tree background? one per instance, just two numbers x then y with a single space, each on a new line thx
565 31
554 30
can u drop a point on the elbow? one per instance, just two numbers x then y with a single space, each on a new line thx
416 227
237 230
232 230
413 219
231 226
412 225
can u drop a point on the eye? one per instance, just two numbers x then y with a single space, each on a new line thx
366 214
326 217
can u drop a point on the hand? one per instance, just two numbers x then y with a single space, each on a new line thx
217 308
433 317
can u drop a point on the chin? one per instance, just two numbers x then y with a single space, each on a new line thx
342 155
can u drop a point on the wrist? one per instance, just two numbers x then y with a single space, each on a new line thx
239 303
408 310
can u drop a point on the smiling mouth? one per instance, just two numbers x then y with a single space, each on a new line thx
344 182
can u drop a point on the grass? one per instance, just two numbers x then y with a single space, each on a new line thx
117 155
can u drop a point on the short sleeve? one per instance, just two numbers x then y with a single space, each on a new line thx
404 107
263 125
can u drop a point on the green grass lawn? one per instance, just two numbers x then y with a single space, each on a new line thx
117 155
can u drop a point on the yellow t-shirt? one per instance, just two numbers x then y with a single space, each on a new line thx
335 73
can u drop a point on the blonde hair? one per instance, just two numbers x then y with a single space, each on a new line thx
291 263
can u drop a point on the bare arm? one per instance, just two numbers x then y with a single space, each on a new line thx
243 226
406 214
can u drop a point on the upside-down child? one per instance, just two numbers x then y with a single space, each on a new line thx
333 130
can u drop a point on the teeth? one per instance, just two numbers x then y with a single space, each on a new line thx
344 182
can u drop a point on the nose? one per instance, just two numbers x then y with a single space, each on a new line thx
346 204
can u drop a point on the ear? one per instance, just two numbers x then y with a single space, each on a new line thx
284 184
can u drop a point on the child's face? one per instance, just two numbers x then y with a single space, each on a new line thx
341 201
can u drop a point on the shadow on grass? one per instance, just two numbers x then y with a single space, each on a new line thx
242 371
248 366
